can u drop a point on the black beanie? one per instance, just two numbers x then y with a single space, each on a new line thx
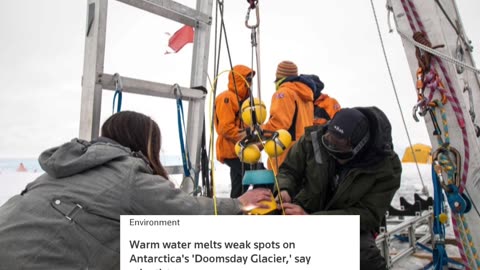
349 124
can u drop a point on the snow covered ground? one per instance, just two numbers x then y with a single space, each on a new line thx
12 183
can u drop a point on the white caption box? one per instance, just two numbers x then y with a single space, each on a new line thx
238 242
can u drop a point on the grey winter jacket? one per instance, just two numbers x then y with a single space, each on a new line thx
68 218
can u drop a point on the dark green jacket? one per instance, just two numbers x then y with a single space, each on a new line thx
372 179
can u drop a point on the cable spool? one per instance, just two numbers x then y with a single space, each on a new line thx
278 143
249 154
260 111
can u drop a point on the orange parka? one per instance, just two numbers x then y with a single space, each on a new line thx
227 121
325 107
291 109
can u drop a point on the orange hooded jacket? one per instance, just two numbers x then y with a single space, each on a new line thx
293 99
227 122
325 107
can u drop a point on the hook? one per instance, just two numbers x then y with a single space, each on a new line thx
417 107
459 55
389 7
177 91
118 82
471 110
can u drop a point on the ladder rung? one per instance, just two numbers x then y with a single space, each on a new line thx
171 10
136 86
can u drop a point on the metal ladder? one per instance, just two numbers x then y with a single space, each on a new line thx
94 79
409 226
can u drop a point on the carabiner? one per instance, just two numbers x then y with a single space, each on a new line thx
177 91
420 107
118 82
247 18
456 176
459 55
414 112
420 85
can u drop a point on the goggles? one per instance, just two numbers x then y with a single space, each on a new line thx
339 153
343 153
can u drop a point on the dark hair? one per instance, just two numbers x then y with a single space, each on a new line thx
139 133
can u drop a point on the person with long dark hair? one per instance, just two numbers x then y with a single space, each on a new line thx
69 217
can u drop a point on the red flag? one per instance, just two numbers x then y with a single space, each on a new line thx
180 38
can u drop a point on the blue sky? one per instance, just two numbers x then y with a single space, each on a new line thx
41 62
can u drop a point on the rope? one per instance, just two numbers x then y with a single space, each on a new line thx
432 81
255 40
211 144
216 61
425 189
426 248
437 53
118 93
204 165
466 239
456 108
452 98
253 4
223 29
219 8
181 129
440 255
187 166
446 142
469 47
211 150
277 186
